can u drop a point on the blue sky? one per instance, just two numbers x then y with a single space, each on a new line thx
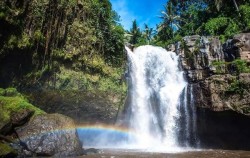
144 11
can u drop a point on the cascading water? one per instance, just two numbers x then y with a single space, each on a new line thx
156 84
159 110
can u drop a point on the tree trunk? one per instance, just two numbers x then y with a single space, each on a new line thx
236 6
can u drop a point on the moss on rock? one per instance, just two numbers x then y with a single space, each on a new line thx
13 102
7 151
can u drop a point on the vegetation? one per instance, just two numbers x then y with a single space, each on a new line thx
7 150
79 45
48 43
201 17
11 102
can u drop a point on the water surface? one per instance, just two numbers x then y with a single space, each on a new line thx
118 153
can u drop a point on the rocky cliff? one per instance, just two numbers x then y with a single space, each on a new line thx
218 74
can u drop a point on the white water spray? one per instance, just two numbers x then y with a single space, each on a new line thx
159 110
156 84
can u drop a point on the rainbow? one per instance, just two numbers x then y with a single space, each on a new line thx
118 129
91 130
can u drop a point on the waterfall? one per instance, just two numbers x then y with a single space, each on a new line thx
188 119
159 112
155 87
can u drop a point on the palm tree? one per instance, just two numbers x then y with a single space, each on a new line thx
148 33
134 33
170 19
218 4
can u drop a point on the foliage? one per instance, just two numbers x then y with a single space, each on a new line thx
237 87
40 38
218 18
241 66
238 65
135 33
220 66
245 15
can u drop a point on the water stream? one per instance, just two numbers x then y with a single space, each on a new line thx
158 111
156 87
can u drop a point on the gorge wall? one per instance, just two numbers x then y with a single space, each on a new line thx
218 73
219 80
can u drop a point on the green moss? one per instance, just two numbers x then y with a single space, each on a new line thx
2 15
2 91
6 149
11 92
11 101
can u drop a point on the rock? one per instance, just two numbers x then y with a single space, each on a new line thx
196 75
21 117
17 118
197 54
219 93
238 47
242 42
50 135
206 64
15 110
91 151
171 48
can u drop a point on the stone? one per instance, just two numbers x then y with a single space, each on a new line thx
50 135
205 64
21 117
91 151
238 47
212 93
196 75
17 118
197 54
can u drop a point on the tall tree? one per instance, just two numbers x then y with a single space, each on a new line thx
218 4
148 33
135 33
170 18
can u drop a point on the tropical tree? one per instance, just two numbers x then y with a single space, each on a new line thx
148 33
170 18
135 33
218 4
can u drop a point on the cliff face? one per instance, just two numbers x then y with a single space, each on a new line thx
218 73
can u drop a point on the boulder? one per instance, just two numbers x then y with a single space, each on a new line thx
50 135
17 118
237 47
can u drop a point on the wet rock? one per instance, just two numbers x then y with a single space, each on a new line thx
222 92
238 47
206 64
91 151
50 134
21 117
16 119
197 54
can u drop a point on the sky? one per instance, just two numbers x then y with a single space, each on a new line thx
144 11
